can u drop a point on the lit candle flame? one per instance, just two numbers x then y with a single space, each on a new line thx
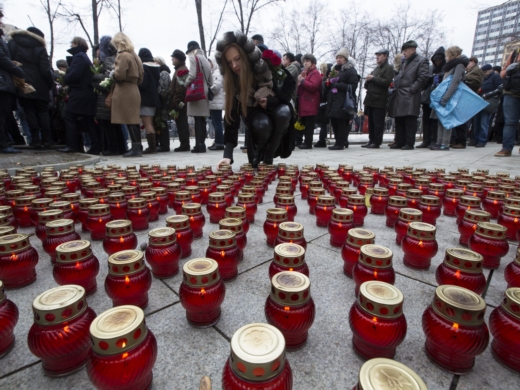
127 280
287 308
421 243
222 253
77 266
374 319
14 257
121 239
457 274
202 292
139 212
375 274
66 329
125 355
455 326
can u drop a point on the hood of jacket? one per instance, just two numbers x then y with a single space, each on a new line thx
463 60
105 48
351 63
26 38
145 55
76 50
440 54
165 68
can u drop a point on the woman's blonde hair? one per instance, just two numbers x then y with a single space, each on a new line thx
159 60
235 84
122 42
453 52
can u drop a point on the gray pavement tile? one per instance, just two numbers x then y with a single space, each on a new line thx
498 285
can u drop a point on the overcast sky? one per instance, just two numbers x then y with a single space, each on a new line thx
165 25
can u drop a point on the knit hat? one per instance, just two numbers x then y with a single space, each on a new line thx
342 52
486 67
409 45
179 55
36 31
258 37
192 45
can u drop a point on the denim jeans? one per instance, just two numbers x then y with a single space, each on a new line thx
511 108
216 119
481 127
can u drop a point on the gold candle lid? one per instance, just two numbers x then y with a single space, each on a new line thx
54 194
290 230
98 210
290 288
200 272
430 200
49 215
162 236
459 305
118 330
194 190
174 187
202 184
137 203
289 255
60 304
367 179
413 193
276 214
126 262
325 200
511 201
101 193
356 199
404 186
160 191
119 227
184 195
422 231
178 222
91 185
397 201
380 299
6 230
511 301
233 224
358 237
286 200
464 260
498 195
502 175
471 201
491 230
85 203
222 239
342 215
315 184
148 195
410 215
73 251
191 209
317 191
59 227
257 352
217 197
511 211
395 181
12 194
454 193
280 191
116 197
245 198
41 203
475 215
375 256
381 191
61 205
71 197
236 212
436 186
381 373
14 243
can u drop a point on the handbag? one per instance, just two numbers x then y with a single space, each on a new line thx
493 105
108 100
211 95
195 91
350 105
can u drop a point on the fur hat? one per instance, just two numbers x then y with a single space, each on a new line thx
179 55
409 45
258 37
36 31
105 48
193 45
342 52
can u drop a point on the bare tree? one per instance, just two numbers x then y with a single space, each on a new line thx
245 10
115 7
198 6
51 8
214 29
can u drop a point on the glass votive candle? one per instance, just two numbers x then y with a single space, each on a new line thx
37 206
288 257
98 216
402 189
356 203
119 236
204 190
283 189
419 245
163 252
238 213
364 183
490 240
395 204
58 232
181 224
413 198
510 220
102 195
462 267
436 189
194 194
304 186
379 201
466 203
290 308
430 206
22 210
43 218
393 184
84 204
286 202
451 201
351 249
128 279
475 190
216 207
59 335
8 320
341 222
88 188
272 222
384 372
323 210
377 320
152 204
18 261
235 225
422 184
76 264
259 187
455 329
247 201
138 213
196 218
312 200
504 325
66 207
171 189
181 197
493 202
291 232
124 350
512 272
224 250
73 199
118 205
162 197
468 224
374 263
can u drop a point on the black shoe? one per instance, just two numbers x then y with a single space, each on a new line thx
110 153
320 144
479 145
93 152
243 147
424 145
336 147
407 147
35 145
10 150
372 146
303 146
472 143
346 145
395 146
161 149
135 151
182 148
200 148
216 147
366 145
49 144
67 150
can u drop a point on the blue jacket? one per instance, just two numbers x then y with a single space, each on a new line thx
82 98
491 82
7 70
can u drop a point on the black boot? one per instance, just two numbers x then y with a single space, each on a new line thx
135 151
199 148
164 140
152 147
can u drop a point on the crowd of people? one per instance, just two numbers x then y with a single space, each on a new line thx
278 99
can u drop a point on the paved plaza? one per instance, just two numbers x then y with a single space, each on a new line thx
328 360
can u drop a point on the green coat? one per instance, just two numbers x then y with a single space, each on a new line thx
377 88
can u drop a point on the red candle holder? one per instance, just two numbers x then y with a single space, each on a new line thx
422 184
290 308
181 224
202 292
351 249
102 195
402 189
343 187
312 200
59 335
58 232
38 206
194 194
413 198
468 224
375 371
455 329
76 264
73 199
288 257
118 205
490 185
196 218
43 218
123 356
493 202
235 225
128 279
89 187
419 245
379 201
364 183
271 225
204 190
163 252
393 184
466 203
22 210
510 220
66 207
216 207
224 250
436 189
191 179
504 324
82 215
323 210
213 181
475 190
8 320
172 188
512 272
258 185
248 203
238 213
283 189
374 263
152 204
131 192
377 320
395 204
291 232
287 203
431 209
138 213
356 203
462 267
98 216
512 201
341 222
181 197
162 197
119 237
490 241
304 186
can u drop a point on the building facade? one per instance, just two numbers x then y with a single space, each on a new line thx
496 26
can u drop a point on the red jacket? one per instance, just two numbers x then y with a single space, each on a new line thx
309 94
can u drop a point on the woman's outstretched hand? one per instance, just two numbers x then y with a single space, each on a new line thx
224 161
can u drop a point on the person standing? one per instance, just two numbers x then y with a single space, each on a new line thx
199 109
177 96
160 121
405 103
491 92
376 99
216 106
322 118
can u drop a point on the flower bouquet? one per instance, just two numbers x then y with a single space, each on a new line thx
182 75
299 126
333 78
275 64
174 113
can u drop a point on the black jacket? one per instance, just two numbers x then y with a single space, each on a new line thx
335 101
377 87
149 88
7 69
82 98
435 74
29 49
491 82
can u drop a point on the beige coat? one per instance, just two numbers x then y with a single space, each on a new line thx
201 107
126 100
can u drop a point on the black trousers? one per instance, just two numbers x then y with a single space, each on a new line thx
267 132
308 122
112 137
200 130
37 115
73 132
405 130
341 131
4 139
323 122
183 129
429 126
459 134
376 124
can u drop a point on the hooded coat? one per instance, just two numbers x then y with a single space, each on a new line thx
7 69
107 57
82 98
219 98
201 107
126 99
335 100
435 75
149 88
29 49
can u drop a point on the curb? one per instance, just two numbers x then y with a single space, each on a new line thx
59 166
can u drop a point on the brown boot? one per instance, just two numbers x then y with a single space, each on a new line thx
503 153
152 146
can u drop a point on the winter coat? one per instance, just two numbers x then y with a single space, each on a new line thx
219 98
177 89
474 78
435 75
408 84
491 82
309 93
126 99
7 70
29 49
200 107
149 88
456 68
164 84
335 101
102 112
82 98
377 87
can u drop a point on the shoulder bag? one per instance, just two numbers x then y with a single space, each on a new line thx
195 90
